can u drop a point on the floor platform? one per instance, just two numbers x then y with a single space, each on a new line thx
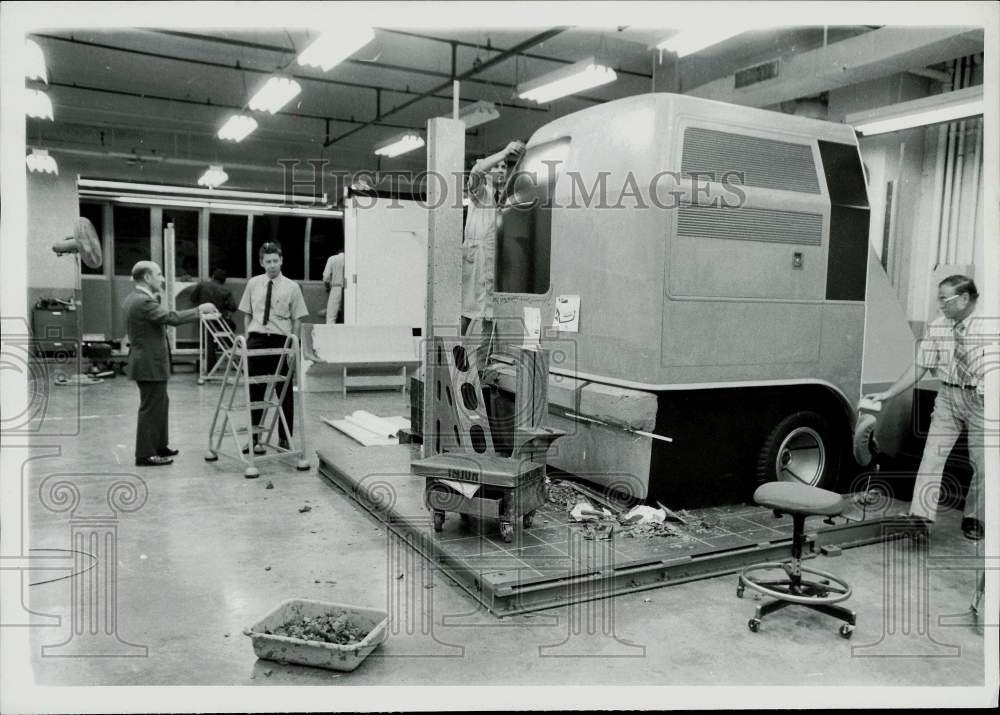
557 562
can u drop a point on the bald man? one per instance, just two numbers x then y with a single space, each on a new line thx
148 360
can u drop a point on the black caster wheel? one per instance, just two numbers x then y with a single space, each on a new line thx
211 457
507 531
754 625
846 631
438 520
739 591
527 519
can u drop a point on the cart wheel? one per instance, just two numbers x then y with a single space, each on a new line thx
438 520
754 625
251 473
527 519
507 531
846 631
211 456
302 465
201 381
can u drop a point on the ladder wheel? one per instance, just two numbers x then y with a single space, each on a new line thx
251 473
211 456
302 465
201 381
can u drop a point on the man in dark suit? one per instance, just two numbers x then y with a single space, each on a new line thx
148 360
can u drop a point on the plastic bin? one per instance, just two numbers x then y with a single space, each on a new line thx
316 653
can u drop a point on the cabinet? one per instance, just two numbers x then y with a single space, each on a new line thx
55 331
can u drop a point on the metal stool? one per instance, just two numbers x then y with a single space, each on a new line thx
800 501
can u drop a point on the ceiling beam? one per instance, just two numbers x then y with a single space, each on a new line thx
213 105
491 48
503 57
240 68
875 54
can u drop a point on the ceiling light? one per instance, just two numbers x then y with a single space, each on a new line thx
275 94
476 113
687 42
35 62
944 107
213 177
40 161
335 45
237 127
399 144
566 80
38 104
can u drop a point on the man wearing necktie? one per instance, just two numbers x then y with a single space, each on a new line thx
273 309
955 346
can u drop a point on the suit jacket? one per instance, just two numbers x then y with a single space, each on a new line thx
215 293
146 322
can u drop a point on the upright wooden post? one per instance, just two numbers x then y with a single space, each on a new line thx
445 163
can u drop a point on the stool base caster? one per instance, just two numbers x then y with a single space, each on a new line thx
846 631
507 531
754 625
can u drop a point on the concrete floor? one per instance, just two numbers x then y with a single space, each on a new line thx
210 552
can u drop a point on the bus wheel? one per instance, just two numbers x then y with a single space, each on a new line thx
798 449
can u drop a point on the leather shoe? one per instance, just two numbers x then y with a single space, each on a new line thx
973 529
155 461
167 452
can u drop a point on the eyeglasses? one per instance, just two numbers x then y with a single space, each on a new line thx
945 301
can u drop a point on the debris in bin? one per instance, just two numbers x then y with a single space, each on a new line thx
584 511
325 628
304 509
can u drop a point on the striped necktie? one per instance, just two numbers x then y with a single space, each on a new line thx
963 370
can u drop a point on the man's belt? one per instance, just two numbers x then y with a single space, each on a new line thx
960 387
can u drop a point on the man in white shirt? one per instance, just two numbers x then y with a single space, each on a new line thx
956 346
273 309
333 280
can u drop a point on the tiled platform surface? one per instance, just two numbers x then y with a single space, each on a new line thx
557 562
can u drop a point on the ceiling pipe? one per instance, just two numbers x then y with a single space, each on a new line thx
530 42
491 48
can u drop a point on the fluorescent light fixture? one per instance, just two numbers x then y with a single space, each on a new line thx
476 113
335 45
40 161
567 80
95 184
944 107
688 41
214 176
38 104
230 206
275 94
399 144
35 62
237 127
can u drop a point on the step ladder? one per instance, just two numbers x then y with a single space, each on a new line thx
213 329
233 415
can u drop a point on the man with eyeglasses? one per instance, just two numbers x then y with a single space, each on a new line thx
273 308
955 346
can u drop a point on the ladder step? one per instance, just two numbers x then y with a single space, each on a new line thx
260 405
268 351
256 430
259 379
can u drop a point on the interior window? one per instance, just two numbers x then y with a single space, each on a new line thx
290 232
326 238
227 244
132 242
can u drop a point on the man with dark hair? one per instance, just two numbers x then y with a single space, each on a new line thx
149 362
273 309
955 346
214 291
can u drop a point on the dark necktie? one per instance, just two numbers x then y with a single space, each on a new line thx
267 304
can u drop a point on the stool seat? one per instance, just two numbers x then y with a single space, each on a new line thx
794 498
